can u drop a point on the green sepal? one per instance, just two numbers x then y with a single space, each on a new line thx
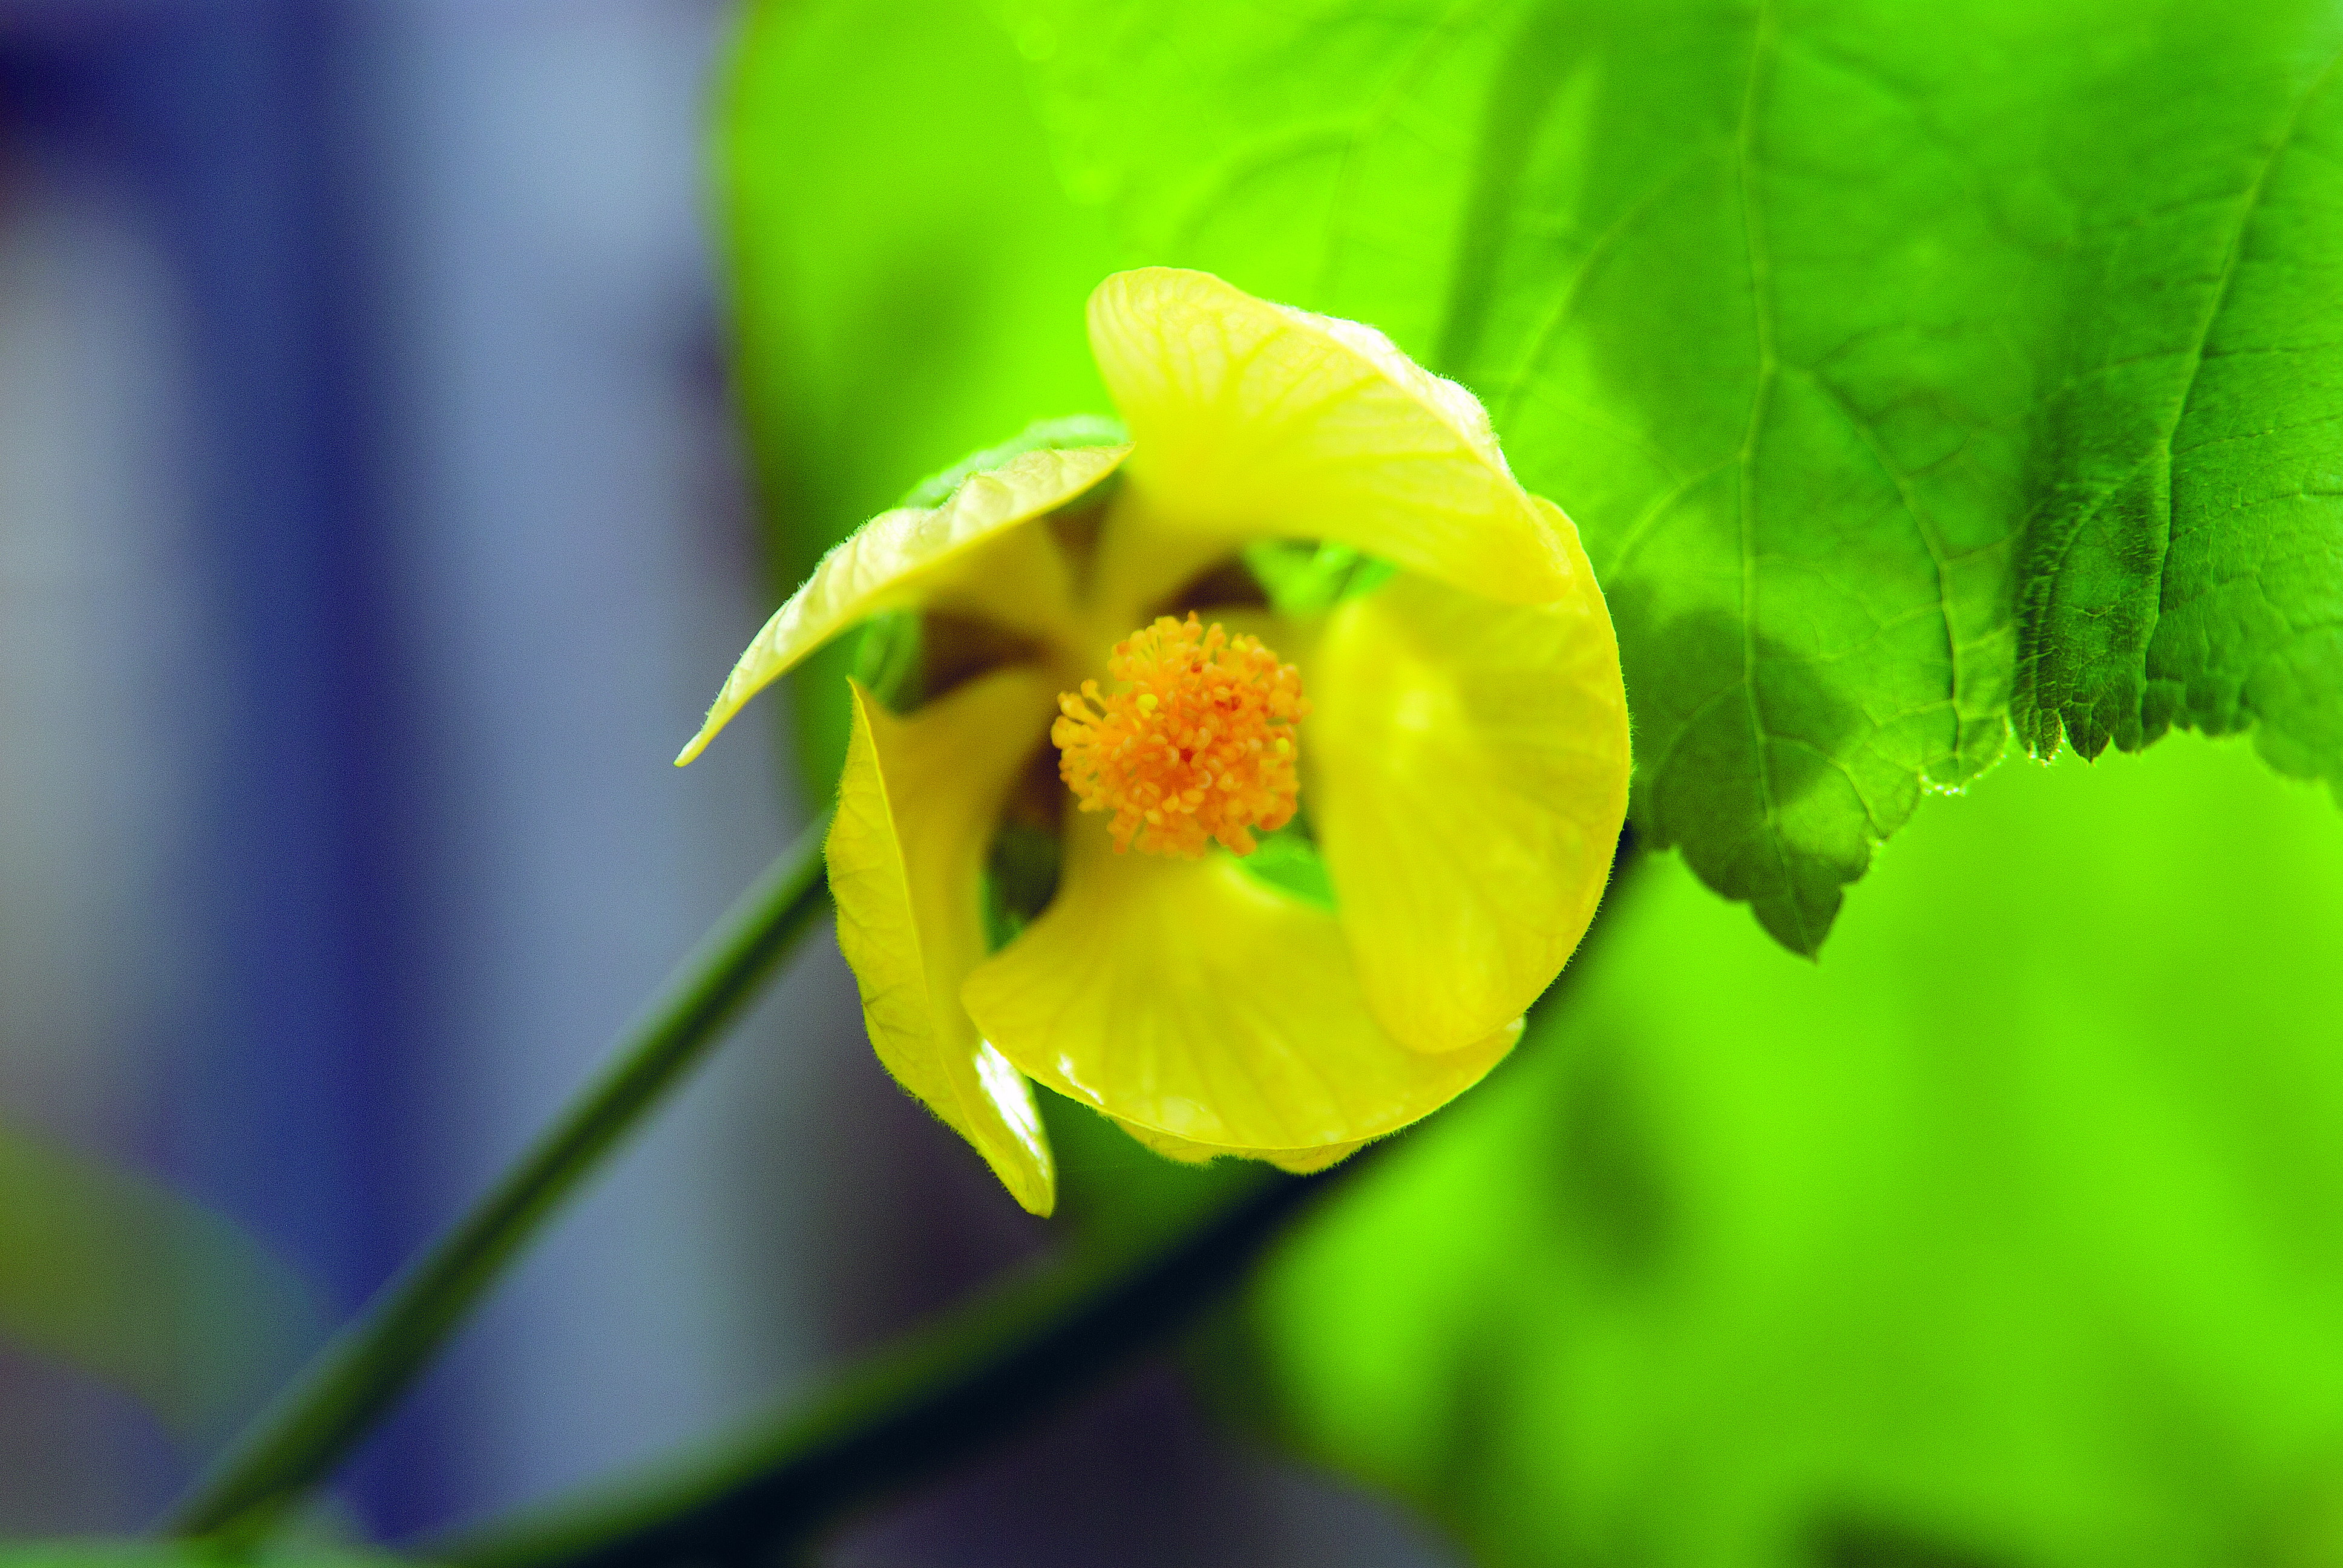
1020 878
888 659
1305 579
1288 860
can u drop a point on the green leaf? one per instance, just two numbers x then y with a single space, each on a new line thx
2009 1233
907 277
1911 371
107 1271
95 1553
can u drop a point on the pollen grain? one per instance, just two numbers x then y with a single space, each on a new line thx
1199 743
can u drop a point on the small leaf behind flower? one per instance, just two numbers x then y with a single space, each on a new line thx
96 1552
144 1289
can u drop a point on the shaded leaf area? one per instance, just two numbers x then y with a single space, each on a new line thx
907 277
110 1273
2007 1238
1913 372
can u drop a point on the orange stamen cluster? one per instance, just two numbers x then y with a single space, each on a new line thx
1198 745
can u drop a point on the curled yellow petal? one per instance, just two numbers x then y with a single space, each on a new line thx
1186 999
917 803
1252 420
1467 775
970 554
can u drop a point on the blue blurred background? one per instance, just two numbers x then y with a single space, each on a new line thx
372 529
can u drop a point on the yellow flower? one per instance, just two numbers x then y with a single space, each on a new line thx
1455 737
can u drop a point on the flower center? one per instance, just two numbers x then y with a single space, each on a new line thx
1199 744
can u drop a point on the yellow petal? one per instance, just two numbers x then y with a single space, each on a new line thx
1249 419
917 803
968 555
1185 998
1466 772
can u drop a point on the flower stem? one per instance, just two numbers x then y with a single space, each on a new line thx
357 1377
993 1367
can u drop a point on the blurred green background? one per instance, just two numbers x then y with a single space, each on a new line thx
2011 1231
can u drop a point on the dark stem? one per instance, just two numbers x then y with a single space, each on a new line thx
355 1379
991 1370
911 1412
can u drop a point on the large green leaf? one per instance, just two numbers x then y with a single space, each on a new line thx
1913 371
2010 1233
